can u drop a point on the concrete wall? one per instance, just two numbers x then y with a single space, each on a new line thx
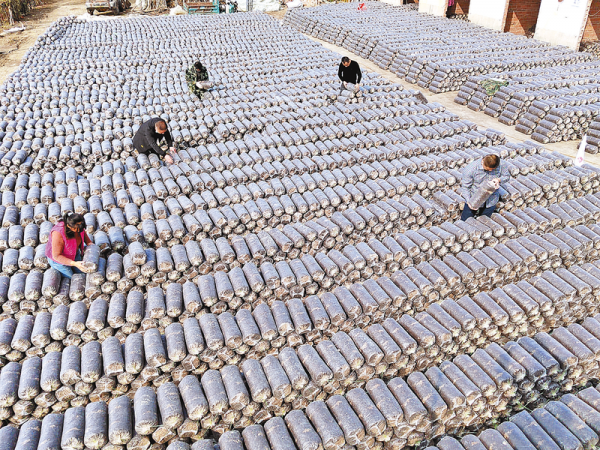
592 27
489 13
522 16
435 7
562 23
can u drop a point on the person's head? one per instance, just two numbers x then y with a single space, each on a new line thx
346 61
198 66
161 127
74 223
491 162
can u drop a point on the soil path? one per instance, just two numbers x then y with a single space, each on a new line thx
14 45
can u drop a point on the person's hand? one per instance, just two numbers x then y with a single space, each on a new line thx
496 182
356 87
80 266
168 159
345 84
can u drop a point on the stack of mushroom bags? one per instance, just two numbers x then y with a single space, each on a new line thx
433 52
300 276
551 104
552 93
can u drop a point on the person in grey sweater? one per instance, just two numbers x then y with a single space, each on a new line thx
489 168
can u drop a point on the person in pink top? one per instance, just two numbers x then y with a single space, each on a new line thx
64 249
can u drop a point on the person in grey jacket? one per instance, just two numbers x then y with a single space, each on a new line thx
490 169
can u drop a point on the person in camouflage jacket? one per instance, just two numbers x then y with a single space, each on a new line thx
197 72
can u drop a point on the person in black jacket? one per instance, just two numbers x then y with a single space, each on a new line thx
349 72
147 139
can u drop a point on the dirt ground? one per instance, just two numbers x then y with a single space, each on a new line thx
278 14
13 46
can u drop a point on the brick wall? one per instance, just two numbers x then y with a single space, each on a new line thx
459 7
522 16
592 28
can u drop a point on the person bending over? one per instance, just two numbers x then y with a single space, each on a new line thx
349 72
149 137
489 168
64 249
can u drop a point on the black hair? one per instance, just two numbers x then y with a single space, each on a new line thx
198 65
162 125
72 220
345 59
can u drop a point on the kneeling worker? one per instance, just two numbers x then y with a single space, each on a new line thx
488 169
349 72
64 249
197 79
149 136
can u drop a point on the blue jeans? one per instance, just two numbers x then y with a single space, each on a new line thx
67 271
483 211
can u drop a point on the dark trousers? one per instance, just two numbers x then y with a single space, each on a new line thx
483 211
149 151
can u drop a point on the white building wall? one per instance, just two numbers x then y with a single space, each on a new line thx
435 7
562 23
489 13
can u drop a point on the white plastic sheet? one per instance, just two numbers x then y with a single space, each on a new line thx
580 158
177 11
267 5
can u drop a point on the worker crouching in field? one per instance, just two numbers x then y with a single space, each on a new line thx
350 74
64 249
197 79
149 137
483 182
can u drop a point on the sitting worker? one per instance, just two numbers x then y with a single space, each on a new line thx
64 249
491 169
149 137
349 73
197 79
